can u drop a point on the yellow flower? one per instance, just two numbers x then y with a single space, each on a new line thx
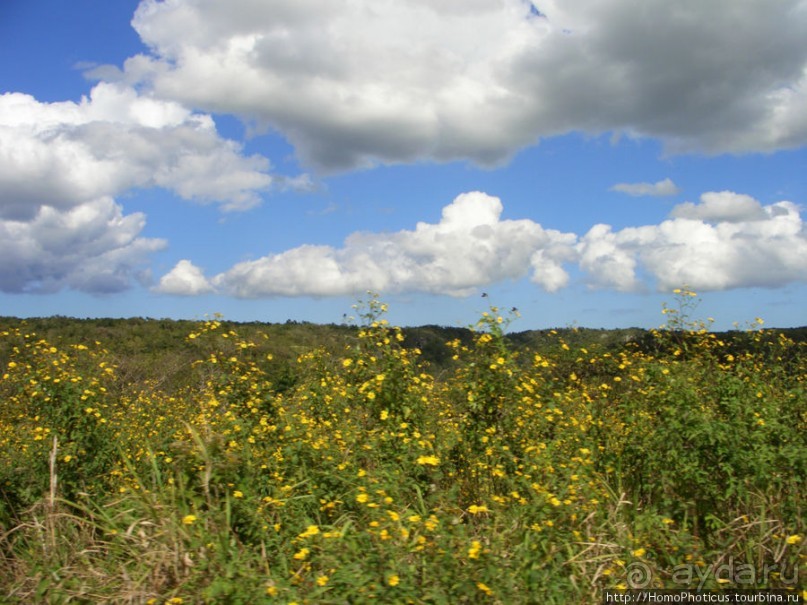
271 591
238 494
311 530
475 549
794 539
430 460
322 580
189 519
484 588
639 552
393 580
301 554
362 498
476 509
347 363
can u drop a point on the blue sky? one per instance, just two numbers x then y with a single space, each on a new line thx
275 160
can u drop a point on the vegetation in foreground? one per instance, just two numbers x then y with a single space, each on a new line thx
364 475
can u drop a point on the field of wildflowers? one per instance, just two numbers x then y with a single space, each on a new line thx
675 462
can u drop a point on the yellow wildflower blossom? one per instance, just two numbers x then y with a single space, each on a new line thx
302 554
484 588
311 530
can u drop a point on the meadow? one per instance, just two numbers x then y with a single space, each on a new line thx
364 473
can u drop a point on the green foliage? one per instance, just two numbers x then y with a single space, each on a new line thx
265 464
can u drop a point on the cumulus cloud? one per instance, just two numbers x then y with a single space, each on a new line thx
91 247
767 252
63 154
469 247
722 206
62 164
606 260
658 189
726 241
185 279
353 83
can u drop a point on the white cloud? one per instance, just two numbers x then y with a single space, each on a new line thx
352 83
471 246
722 206
744 244
64 154
660 188
606 261
62 164
185 279
767 252
91 247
